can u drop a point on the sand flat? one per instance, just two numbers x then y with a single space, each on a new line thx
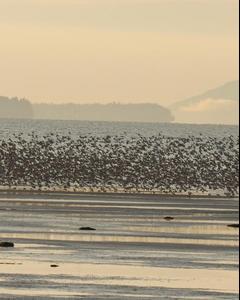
134 253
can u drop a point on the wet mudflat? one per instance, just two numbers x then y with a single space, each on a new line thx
134 253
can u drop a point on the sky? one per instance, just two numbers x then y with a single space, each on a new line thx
87 51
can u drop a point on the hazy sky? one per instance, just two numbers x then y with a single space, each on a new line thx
116 50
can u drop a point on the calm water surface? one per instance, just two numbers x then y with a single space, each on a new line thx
76 128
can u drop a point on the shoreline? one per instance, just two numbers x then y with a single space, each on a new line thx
28 191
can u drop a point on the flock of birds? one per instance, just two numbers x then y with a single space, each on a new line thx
120 163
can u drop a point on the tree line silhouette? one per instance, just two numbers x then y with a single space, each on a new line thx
15 108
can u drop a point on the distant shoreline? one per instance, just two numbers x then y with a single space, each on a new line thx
97 193
119 122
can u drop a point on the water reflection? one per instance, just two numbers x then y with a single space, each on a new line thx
194 229
136 247
116 238
120 275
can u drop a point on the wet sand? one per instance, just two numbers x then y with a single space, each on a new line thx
133 254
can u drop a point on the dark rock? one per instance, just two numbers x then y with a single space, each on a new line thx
233 225
6 244
54 266
168 218
87 228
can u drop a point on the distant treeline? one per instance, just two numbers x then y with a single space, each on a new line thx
19 108
103 112
15 108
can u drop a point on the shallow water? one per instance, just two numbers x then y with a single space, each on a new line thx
76 128
133 254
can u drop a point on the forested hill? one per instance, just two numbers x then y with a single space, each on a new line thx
104 112
14 108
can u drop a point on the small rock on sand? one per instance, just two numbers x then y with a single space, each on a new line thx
87 228
6 244
233 225
168 218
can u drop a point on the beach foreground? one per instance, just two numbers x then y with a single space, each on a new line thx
134 253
